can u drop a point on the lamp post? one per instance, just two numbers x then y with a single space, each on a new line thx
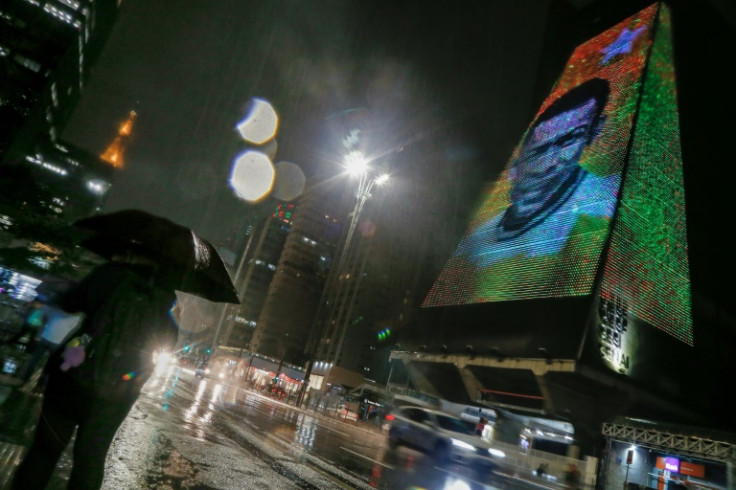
356 165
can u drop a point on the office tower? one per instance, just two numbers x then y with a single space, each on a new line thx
46 53
253 275
286 319
573 276
47 50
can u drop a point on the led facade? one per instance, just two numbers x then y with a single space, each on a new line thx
647 265
591 202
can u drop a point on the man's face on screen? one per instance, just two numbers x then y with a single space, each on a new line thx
549 157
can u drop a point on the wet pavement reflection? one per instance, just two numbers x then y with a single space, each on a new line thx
190 433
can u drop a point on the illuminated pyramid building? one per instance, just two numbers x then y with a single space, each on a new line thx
115 153
569 294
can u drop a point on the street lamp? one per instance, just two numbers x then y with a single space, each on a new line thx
356 165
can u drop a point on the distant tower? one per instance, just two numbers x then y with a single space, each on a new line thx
115 152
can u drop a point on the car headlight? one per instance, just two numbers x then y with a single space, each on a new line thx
497 453
463 444
161 358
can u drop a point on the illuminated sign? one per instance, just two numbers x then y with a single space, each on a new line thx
672 464
284 212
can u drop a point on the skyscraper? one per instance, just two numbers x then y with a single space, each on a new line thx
46 53
252 277
573 276
285 321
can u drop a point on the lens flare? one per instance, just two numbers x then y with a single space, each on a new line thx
252 176
290 181
261 123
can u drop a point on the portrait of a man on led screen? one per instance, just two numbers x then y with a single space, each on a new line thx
549 188
539 229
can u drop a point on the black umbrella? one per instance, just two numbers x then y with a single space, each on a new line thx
191 263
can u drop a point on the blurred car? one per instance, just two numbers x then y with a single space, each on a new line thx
446 438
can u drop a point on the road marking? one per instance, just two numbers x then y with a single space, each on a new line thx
381 463
465 478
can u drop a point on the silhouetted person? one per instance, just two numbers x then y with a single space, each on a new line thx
572 477
127 319
480 426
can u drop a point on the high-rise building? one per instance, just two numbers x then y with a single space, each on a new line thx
266 235
65 181
287 316
569 294
46 53
371 297
383 303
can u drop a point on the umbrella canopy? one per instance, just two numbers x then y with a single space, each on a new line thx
191 263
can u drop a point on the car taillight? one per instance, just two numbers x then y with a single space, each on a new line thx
389 417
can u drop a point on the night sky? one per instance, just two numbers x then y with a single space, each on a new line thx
438 73
450 87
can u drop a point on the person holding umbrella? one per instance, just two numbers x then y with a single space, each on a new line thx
93 384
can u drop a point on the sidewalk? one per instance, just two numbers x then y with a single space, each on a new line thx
20 407
19 411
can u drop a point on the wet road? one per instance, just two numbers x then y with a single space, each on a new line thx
188 433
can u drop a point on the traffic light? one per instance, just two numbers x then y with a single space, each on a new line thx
384 334
187 348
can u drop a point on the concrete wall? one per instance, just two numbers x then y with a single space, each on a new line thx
642 461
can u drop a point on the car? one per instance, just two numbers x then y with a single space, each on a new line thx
443 436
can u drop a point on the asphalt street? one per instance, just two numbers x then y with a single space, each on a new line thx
191 433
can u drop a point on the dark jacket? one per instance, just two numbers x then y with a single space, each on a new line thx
127 319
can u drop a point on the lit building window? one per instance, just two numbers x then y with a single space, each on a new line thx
38 160
98 186
71 3
58 13
28 63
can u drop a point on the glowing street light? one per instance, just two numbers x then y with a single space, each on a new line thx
356 165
